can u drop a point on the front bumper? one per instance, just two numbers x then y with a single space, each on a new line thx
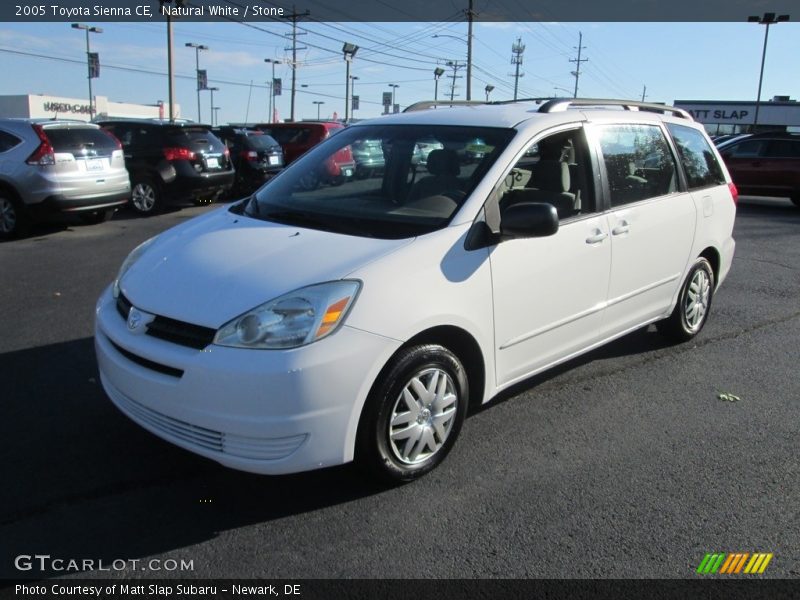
264 411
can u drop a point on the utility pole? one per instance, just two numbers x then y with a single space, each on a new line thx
455 65
294 16
517 50
470 16
578 61
644 93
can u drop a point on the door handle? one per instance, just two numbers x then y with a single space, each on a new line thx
598 237
623 227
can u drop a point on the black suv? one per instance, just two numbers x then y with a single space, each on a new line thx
256 156
172 162
765 164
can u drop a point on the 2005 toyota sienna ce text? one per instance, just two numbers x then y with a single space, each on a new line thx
298 329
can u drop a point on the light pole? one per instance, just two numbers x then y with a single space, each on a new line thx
349 50
212 90
89 30
215 118
272 88
394 87
768 19
468 41
437 72
488 89
555 87
318 103
200 83
353 79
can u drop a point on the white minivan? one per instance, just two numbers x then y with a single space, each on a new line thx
303 328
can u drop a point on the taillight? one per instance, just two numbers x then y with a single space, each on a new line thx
249 154
113 137
44 154
734 192
178 154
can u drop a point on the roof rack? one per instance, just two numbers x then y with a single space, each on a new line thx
561 104
550 104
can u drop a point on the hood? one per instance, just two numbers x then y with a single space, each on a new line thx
218 266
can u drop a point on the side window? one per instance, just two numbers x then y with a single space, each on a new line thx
698 160
783 149
555 170
8 141
122 133
638 161
746 149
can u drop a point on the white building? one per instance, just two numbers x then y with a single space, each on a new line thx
46 107
721 116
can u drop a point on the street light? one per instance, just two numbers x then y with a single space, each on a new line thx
349 50
353 79
468 41
274 62
318 103
89 30
212 90
215 118
394 87
768 19
200 83
437 72
488 89
555 87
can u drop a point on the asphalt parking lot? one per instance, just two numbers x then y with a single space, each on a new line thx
623 463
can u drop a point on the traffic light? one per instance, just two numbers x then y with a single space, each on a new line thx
94 65
276 86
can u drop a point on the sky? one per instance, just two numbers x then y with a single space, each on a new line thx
675 61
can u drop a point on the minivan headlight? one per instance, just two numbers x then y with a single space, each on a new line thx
129 261
292 320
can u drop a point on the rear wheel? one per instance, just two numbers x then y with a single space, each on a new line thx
12 218
145 196
413 415
694 303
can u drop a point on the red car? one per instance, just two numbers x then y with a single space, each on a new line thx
765 164
297 138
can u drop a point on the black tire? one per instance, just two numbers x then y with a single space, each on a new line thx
13 218
383 449
796 200
695 297
146 198
97 216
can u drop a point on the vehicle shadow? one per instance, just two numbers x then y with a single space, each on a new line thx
642 342
82 481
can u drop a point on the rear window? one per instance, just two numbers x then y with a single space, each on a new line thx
78 139
197 138
260 141
698 159
8 141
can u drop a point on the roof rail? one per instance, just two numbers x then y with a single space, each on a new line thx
426 104
561 104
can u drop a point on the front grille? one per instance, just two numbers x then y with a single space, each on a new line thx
172 330
203 438
147 363
180 332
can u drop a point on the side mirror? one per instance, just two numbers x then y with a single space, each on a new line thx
529 219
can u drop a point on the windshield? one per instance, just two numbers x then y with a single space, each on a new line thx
422 177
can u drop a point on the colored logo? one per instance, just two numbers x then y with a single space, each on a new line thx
734 563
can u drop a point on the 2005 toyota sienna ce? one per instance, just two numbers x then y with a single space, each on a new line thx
298 329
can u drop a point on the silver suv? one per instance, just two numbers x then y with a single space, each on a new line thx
58 167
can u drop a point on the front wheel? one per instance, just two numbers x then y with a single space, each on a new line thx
694 303
413 415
